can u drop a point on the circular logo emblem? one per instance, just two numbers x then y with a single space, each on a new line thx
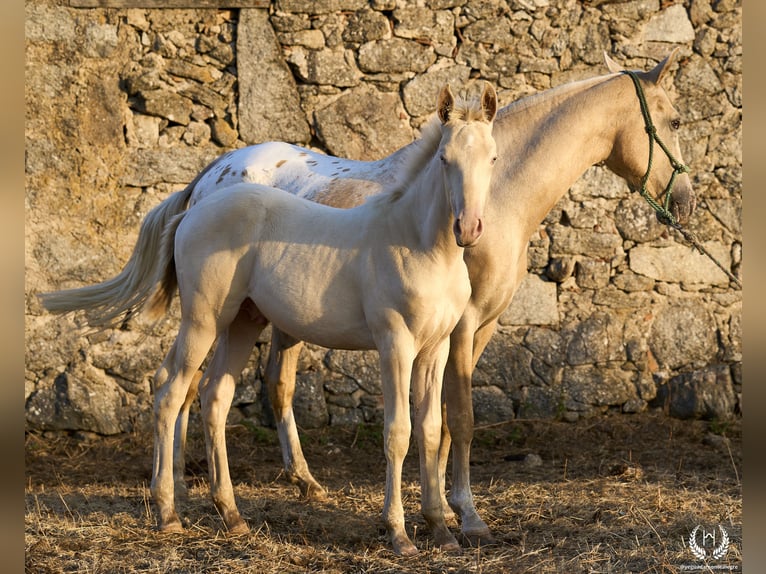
711 547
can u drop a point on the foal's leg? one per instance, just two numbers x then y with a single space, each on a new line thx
426 400
466 346
179 442
396 358
280 382
444 449
171 387
217 391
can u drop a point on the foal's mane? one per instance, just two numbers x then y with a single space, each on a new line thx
423 149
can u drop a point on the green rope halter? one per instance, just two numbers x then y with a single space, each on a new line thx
663 210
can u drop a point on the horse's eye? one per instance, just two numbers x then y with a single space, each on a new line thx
442 158
675 124
493 160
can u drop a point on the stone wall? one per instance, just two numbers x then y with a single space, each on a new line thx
125 106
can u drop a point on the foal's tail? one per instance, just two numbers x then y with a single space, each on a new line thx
165 281
109 303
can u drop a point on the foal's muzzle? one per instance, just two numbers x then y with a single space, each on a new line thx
467 233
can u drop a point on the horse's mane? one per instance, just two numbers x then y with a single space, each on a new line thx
564 90
423 149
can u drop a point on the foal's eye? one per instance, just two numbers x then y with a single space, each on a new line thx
675 124
493 160
442 158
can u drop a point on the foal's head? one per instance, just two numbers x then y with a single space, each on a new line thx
630 156
467 153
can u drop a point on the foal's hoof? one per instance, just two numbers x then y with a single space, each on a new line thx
314 493
450 547
479 539
444 540
403 546
171 527
238 529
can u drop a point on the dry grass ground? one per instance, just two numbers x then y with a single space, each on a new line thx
614 494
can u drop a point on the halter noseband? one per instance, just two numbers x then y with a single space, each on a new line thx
663 211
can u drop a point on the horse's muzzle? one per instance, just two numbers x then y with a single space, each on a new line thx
682 204
468 234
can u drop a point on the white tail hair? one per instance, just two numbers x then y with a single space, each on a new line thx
109 303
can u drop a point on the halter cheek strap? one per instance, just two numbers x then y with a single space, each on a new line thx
663 210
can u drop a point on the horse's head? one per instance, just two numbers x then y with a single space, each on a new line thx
467 153
630 157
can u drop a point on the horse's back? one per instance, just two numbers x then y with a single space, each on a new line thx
325 179
251 213
297 260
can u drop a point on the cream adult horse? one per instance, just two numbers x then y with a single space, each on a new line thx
545 143
386 275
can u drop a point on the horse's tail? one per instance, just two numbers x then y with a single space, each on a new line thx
165 281
107 304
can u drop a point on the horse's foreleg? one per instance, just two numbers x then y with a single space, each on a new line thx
427 377
465 348
179 440
445 443
171 387
217 391
396 368
280 381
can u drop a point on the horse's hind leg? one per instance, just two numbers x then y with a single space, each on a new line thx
280 381
171 387
217 391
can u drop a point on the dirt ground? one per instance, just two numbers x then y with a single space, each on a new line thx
612 494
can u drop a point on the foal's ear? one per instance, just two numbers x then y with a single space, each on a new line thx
445 104
489 102
661 69
611 65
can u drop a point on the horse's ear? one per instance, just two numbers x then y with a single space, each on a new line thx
445 104
611 65
661 69
489 102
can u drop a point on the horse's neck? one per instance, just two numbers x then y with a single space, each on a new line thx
552 140
425 208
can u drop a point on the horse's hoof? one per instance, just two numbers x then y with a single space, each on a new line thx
403 546
238 529
315 493
171 527
444 540
451 547
479 539
407 550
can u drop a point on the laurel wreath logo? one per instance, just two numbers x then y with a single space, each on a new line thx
718 552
